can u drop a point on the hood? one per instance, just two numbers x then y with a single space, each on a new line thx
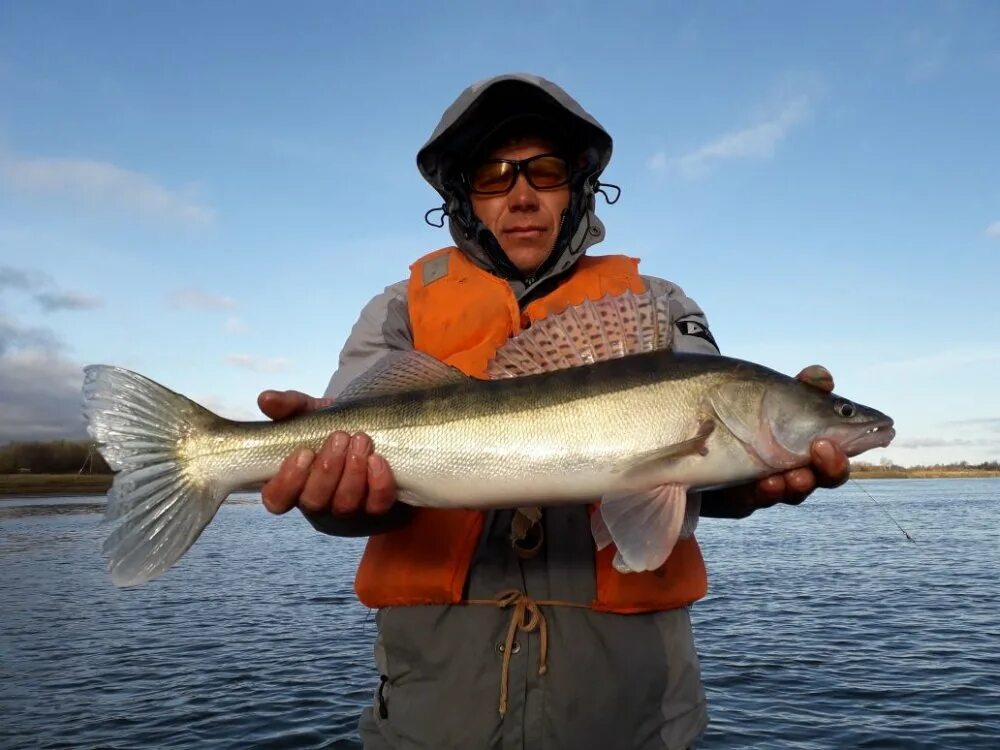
476 114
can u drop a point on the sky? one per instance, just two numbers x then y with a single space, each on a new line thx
209 193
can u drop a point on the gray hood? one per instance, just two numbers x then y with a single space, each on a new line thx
477 113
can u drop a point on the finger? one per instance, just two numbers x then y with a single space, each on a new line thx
282 404
282 492
769 491
325 473
350 493
381 486
799 484
830 463
817 376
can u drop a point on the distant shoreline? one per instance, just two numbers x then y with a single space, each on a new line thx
896 473
41 485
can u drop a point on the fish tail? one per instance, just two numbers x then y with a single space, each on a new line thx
159 504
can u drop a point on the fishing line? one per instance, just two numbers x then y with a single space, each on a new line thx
882 508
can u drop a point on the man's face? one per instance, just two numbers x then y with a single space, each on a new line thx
525 221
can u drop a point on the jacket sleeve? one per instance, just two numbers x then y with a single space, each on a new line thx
383 327
691 331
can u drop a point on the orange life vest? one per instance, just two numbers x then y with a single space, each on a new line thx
461 315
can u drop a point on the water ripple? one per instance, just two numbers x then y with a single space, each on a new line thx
823 628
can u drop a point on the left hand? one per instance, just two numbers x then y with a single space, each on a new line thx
829 468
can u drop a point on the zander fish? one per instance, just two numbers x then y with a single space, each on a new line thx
588 403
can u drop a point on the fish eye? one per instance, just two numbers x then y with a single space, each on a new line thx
845 409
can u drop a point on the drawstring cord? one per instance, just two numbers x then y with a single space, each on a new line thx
527 617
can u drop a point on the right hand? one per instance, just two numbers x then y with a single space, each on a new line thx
343 478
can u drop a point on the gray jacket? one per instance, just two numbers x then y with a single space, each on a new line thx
613 681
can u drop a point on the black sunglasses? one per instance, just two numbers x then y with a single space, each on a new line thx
498 176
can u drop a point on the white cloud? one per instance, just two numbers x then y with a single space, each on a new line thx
756 142
196 299
104 184
658 162
258 364
234 325
993 230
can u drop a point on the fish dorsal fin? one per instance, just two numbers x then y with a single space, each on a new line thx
400 372
594 331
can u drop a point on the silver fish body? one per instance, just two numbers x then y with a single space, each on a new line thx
622 430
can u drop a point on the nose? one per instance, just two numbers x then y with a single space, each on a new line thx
522 197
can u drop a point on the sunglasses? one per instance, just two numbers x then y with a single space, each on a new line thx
497 176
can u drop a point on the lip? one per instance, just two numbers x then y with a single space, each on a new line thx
524 231
878 435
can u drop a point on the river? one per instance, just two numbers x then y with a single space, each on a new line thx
824 628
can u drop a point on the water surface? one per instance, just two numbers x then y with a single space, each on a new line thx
824 628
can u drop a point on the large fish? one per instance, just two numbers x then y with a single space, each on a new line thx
586 404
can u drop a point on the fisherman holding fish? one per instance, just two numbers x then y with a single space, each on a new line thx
586 650
527 434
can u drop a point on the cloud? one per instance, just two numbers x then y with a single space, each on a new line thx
40 397
105 185
990 423
658 162
919 442
20 279
258 364
43 290
234 325
195 299
51 301
755 142
993 230
14 336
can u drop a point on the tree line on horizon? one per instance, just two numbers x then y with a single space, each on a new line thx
863 466
52 457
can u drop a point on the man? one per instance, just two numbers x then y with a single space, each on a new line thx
517 162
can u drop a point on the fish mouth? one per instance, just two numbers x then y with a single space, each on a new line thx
877 435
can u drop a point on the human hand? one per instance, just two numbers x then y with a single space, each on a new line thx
829 467
343 478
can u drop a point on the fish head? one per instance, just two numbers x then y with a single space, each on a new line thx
778 419
796 414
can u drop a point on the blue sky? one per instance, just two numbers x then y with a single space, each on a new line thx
209 193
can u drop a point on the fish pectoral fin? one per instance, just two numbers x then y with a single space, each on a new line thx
644 526
593 331
599 529
697 445
400 372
